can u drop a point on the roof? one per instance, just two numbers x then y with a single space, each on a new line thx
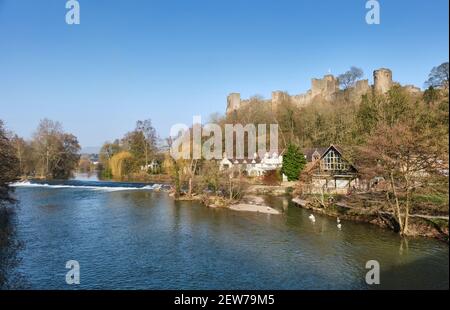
311 164
309 152
242 161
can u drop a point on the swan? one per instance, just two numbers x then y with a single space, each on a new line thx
312 218
338 220
339 226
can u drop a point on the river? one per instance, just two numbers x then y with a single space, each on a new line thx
128 236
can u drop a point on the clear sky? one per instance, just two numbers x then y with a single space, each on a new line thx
170 59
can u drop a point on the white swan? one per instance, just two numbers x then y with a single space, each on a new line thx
338 220
312 218
339 226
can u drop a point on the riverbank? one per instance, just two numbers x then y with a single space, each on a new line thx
419 225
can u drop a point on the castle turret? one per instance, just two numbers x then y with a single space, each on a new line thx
278 97
233 102
325 87
382 79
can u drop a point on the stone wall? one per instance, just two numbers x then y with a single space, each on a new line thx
325 89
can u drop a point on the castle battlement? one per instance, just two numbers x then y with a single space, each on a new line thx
325 89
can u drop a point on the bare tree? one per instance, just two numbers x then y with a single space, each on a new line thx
56 150
349 78
439 76
407 158
150 137
9 165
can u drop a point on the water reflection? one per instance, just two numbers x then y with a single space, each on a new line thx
145 240
9 247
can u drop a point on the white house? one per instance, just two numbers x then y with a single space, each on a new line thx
154 167
253 167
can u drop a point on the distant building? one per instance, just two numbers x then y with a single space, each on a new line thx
153 167
254 167
329 171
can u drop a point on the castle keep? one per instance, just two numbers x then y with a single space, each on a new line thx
325 89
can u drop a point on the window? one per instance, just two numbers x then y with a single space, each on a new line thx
333 162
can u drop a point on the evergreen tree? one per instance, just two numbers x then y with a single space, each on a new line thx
293 162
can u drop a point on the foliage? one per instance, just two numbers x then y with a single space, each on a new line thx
121 164
141 144
408 147
9 172
293 162
431 95
55 152
9 166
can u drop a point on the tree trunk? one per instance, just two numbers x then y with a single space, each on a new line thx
190 187
408 203
19 156
146 156
397 204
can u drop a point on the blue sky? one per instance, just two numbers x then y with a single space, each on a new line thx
171 59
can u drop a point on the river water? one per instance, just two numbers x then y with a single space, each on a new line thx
128 236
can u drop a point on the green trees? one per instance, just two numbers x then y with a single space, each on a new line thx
121 164
293 162
136 149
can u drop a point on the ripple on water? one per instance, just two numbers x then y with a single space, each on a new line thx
144 240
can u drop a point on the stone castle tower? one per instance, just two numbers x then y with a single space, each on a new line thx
326 89
233 102
382 79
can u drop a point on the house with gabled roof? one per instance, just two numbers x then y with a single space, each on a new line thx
253 167
329 171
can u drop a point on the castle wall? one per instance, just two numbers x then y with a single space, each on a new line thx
327 89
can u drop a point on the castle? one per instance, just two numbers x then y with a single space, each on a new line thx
325 89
